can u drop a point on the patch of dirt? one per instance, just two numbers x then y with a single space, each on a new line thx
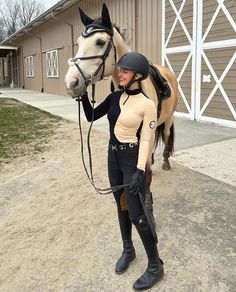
57 234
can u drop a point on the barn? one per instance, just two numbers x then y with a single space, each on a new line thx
196 39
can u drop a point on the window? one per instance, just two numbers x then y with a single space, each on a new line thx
29 66
52 63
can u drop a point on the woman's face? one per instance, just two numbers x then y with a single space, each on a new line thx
125 75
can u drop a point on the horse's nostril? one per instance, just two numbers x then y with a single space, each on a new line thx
75 83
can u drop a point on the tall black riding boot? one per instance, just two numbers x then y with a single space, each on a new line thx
154 271
128 253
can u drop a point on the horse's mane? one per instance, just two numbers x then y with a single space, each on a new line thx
118 30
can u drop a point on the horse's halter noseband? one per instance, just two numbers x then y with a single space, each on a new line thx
88 32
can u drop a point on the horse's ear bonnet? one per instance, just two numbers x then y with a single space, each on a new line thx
92 26
86 20
106 21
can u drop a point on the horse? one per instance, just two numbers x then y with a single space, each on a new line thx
99 48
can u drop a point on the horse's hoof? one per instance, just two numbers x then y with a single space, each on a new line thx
166 166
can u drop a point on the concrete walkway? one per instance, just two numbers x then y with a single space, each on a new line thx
205 147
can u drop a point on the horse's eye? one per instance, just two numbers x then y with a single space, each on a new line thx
100 42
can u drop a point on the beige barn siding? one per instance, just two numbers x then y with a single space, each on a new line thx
31 47
49 40
148 29
57 37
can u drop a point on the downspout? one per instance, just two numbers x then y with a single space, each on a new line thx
23 66
71 30
11 67
41 55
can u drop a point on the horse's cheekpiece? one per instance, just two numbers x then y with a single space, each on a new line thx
123 146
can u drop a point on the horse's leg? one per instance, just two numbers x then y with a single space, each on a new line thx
169 142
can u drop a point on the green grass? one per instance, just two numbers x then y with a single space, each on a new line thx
24 130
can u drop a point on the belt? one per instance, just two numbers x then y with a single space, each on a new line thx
123 146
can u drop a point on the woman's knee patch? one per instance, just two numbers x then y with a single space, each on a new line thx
123 202
141 222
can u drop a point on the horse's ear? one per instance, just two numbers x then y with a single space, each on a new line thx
106 21
86 20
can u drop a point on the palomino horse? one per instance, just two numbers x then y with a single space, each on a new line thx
100 47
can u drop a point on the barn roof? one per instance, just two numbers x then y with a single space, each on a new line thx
53 11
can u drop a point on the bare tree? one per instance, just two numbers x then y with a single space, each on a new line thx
2 30
15 14
9 14
28 10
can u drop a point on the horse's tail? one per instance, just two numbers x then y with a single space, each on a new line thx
160 135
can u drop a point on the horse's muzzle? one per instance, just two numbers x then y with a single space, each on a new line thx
75 88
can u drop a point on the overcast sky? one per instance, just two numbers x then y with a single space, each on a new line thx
49 3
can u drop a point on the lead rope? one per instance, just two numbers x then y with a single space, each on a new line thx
101 191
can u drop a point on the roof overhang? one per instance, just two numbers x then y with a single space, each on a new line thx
8 48
5 50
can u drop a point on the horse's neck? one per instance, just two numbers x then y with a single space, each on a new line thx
121 49
149 89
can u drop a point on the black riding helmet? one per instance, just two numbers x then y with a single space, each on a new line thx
135 62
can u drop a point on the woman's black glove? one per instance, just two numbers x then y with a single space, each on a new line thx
137 182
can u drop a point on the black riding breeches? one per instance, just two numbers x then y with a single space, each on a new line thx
121 167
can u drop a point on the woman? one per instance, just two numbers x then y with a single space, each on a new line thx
132 120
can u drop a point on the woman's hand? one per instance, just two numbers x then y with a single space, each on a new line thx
137 181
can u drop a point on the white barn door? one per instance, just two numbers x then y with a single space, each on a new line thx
199 45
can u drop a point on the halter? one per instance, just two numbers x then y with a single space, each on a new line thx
91 29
